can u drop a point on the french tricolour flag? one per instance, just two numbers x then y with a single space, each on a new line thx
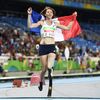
60 35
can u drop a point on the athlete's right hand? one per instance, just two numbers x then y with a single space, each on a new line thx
29 11
75 13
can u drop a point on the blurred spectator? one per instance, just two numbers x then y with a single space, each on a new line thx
98 66
88 67
67 52
31 64
2 72
67 55
84 58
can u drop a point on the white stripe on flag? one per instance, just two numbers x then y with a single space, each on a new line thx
58 35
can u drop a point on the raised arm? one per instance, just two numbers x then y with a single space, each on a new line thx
29 22
68 27
65 27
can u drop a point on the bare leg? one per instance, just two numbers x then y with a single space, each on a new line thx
43 60
51 59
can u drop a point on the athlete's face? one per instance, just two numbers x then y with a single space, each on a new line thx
49 13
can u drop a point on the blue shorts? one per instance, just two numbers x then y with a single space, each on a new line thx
46 49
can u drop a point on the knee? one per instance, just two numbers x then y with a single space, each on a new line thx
44 70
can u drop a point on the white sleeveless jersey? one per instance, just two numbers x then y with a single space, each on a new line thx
48 30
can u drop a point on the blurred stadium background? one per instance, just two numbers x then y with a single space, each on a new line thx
18 50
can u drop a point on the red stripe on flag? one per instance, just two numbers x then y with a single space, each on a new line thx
75 29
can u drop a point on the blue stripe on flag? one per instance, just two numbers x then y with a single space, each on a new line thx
35 18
